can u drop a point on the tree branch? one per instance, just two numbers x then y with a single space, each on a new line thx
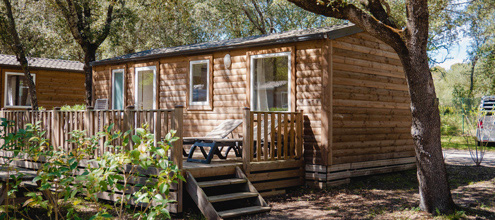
375 7
256 24
69 12
108 23
343 10
417 19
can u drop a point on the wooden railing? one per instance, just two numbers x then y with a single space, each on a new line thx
270 136
58 124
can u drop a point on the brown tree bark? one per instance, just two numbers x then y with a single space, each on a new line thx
11 36
78 17
410 44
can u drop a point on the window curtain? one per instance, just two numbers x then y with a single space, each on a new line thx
262 95
11 85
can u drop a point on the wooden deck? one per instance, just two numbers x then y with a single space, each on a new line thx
271 145
217 167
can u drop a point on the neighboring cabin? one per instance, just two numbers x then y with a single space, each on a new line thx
350 86
58 83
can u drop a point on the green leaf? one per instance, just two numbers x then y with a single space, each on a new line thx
140 131
136 139
106 215
158 197
163 188
74 192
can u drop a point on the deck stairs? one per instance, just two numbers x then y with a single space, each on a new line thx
223 197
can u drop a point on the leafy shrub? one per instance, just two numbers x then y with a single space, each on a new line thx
62 170
451 124
73 108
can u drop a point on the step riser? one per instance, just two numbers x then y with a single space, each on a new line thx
237 192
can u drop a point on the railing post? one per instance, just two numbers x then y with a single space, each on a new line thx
247 140
299 135
56 127
128 121
88 120
158 126
177 125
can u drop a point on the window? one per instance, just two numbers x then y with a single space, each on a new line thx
118 89
17 90
199 80
145 88
270 82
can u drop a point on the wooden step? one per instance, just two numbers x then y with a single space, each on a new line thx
243 211
223 182
232 196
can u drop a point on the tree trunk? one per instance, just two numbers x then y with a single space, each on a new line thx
31 85
89 56
434 189
19 50
473 66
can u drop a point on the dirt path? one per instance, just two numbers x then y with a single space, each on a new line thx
393 196
463 157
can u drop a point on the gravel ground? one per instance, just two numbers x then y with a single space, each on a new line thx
393 196
463 157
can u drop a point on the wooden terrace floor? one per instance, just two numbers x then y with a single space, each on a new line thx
217 167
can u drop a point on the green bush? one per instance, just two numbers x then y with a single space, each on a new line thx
73 107
114 170
451 124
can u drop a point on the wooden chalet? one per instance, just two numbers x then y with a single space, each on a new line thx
317 106
58 83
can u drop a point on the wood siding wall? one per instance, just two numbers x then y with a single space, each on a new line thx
370 117
371 104
230 88
53 88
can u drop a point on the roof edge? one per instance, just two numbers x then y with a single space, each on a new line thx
41 68
333 34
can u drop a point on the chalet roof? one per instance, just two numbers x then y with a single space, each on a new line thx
331 32
43 63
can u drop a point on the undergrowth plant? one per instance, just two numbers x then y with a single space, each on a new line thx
123 171
12 143
139 174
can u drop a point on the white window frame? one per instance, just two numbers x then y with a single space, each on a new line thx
191 63
136 70
5 90
289 78
113 86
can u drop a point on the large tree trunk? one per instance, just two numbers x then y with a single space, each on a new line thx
434 189
89 56
31 85
18 47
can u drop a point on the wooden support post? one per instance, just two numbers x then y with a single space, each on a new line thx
247 141
87 121
177 125
158 126
299 135
56 127
128 122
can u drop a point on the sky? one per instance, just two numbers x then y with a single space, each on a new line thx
456 54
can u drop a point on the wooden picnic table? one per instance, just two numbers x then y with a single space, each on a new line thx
6 176
213 144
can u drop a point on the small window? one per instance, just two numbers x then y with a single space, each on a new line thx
17 90
118 89
270 82
146 88
199 80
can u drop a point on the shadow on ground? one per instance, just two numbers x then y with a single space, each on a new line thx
387 196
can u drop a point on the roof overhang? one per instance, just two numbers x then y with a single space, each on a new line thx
333 34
